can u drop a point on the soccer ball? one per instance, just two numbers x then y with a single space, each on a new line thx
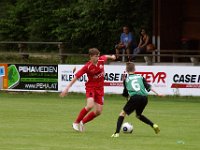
127 127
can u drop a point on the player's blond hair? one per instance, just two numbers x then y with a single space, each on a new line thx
130 67
93 51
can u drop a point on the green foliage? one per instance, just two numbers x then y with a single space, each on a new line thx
82 23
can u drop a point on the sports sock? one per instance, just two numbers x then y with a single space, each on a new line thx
81 115
89 117
145 120
119 123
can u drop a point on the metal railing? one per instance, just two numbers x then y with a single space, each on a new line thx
150 58
23 48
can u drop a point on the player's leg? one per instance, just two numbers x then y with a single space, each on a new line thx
127 110
90 105
98 106
85 110
82 114
119 123
97 111
141 104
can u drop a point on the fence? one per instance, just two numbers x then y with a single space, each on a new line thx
150 58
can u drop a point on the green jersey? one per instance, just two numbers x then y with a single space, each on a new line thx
137 85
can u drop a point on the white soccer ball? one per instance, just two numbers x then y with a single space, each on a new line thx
127 127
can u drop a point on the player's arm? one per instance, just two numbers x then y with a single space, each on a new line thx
146 85
125 91
149 88
77 76
112 57
65 91
155 92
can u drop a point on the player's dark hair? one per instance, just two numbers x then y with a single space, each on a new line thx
93 51
130 67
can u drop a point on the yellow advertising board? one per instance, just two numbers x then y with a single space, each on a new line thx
3 76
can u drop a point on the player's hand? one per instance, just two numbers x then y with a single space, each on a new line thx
113 57
63 93
161 95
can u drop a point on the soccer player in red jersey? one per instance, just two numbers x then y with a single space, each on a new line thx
94 69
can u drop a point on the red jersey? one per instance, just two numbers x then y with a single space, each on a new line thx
95 73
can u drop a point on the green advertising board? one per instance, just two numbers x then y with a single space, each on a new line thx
33 77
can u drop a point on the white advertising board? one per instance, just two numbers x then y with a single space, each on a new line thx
168 80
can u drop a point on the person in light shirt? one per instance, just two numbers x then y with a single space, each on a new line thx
126 43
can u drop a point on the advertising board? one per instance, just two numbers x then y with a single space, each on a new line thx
33 77
168 80
3 76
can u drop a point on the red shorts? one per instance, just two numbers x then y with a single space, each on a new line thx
96 93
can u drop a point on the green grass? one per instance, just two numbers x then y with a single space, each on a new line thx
42 121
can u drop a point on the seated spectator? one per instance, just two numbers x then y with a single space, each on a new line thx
142 46
126 43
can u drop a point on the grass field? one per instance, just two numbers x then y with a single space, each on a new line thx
42 121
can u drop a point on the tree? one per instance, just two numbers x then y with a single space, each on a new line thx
82 23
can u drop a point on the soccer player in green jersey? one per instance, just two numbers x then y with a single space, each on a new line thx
136 87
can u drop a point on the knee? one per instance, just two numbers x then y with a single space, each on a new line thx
90 104
89 107
98 112
122 113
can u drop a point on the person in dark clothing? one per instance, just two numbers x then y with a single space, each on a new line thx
142 46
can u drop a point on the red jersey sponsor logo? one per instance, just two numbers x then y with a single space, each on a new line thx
152 77
95 73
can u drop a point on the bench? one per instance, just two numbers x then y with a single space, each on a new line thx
193 55
155 57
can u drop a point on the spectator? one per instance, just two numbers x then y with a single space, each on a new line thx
126 43
142 46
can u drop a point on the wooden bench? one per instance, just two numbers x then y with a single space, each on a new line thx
154 57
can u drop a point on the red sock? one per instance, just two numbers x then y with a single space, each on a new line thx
81 115
89 117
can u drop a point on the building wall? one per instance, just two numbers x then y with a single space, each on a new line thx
175 20
191 19
170 24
